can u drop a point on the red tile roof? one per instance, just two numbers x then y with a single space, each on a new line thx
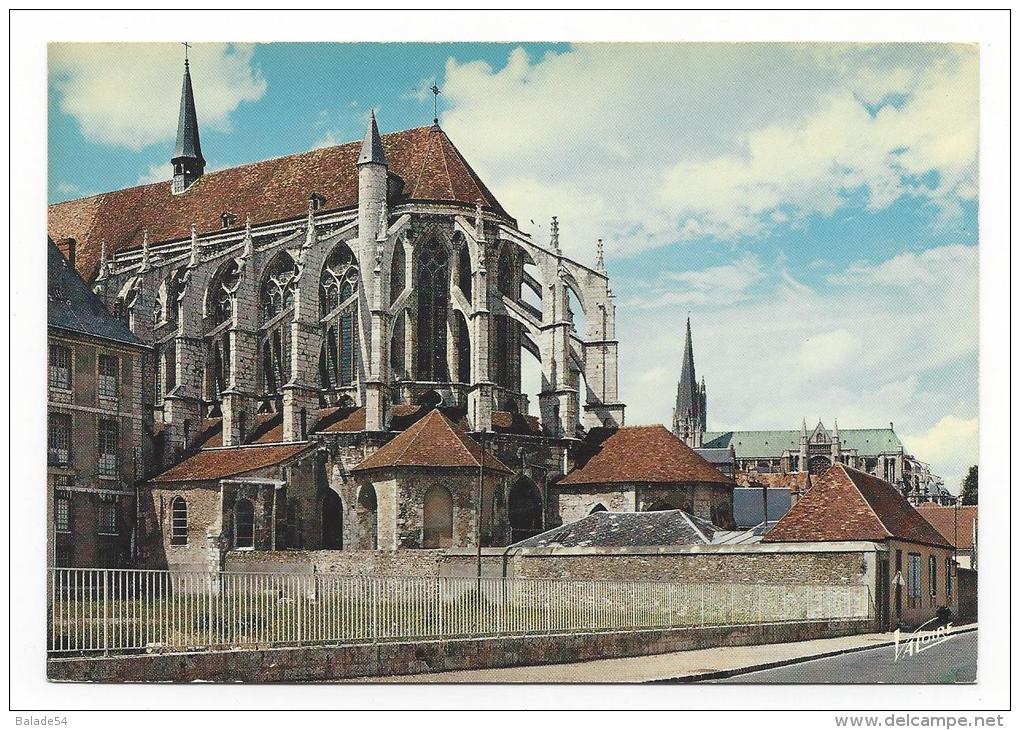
644 454
214 464
431 442
847 504
431 168
956 524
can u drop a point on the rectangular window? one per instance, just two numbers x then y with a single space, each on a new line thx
62 514
107 447
107 514
60 367
949 577
59 439
109 367
914 578
933 576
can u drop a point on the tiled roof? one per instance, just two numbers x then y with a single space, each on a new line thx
642 454
847 504
509 422
214 464
772 444
956 524
74 307
431 168
431 442
627 529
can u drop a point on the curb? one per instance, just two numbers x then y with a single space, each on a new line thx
726 673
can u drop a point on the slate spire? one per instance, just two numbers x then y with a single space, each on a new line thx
187 161
689 417
371 148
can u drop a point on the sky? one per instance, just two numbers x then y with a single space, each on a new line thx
812 208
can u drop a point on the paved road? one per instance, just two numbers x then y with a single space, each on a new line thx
946 663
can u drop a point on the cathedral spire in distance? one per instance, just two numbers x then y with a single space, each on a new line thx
689 419
187 160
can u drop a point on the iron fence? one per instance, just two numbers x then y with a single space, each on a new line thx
115 610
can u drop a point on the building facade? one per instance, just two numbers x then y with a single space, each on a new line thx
98 425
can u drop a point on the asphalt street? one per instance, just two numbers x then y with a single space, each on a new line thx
954 661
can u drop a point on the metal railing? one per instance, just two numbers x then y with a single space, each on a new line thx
103 611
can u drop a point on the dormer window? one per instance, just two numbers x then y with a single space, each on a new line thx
318 202
227 219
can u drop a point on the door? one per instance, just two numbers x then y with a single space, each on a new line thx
882 595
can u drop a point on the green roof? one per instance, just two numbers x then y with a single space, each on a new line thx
772 444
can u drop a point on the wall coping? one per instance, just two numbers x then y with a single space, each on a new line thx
755 548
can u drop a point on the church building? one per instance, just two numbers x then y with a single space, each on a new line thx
336 342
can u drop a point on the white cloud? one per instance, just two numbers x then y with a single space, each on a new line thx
66 188
828 352
723 284
128 94
157 172
951 443
647 144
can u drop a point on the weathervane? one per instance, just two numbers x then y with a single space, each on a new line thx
435 102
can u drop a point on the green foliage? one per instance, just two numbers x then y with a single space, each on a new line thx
969 493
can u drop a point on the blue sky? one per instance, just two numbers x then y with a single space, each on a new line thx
813 207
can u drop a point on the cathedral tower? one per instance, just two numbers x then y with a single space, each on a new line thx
689 414
187 160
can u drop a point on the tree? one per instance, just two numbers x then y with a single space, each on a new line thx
969 493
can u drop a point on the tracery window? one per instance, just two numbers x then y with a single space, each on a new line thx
277 291
220 297
338 306
432 281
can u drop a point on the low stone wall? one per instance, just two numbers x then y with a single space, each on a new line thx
419 563
849 563
331 663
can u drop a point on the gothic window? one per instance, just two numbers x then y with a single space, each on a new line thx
332 521
178 521
463 350
220 297
244 524
366 514
398 272
60 367
437 518
433 289
338 306
818 464
524 509
464 270
276 294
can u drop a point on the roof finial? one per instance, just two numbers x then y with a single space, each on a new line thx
435 103
104 267
249 243
600 262
554 234
479 223
186 47
193 262
145 250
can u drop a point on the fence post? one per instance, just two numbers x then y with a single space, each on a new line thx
375 610
702 605
106 612
209 610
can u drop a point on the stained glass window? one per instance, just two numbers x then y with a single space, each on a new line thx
432 283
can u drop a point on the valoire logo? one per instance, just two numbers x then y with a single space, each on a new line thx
916 642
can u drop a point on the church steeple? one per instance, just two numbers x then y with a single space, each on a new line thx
371 148
691 398
187 160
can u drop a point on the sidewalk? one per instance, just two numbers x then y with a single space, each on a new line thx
687 666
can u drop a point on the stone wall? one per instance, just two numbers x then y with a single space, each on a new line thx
321 664
419 563
791 563
713 502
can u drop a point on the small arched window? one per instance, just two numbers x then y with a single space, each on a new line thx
437 518
178 521
244 524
